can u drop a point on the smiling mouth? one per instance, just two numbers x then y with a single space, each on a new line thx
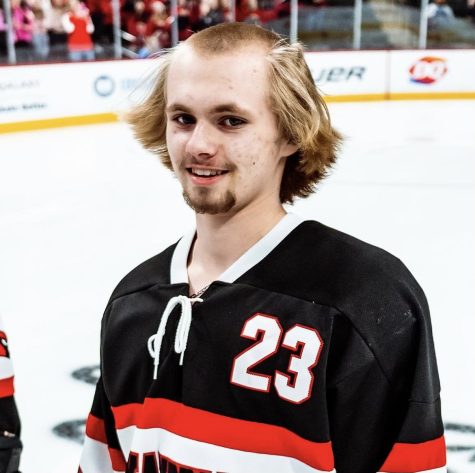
206 172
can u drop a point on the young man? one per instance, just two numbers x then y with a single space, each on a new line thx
259 342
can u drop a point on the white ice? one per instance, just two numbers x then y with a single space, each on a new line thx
80 207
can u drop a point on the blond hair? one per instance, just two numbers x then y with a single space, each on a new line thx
302 115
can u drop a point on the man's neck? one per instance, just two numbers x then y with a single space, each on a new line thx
221 240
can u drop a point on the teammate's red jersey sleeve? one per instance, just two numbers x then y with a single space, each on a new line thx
10 444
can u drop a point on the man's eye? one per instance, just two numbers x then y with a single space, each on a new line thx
184 119
232 122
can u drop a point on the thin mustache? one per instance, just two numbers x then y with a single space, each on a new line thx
221 167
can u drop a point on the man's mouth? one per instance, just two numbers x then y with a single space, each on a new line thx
206 172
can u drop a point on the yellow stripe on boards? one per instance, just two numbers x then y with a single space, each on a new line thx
58 122
433 96
79 120
355 98
401 96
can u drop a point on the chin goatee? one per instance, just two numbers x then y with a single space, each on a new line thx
203 205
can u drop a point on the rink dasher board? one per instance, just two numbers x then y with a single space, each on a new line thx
56 95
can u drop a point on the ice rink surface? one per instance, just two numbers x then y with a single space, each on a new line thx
80 207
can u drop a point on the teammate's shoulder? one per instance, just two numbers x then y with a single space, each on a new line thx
155 270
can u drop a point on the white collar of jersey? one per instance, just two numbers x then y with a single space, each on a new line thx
257 252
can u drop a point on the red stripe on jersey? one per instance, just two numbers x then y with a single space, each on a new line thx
224 431
6 387
413 457
95 429
117 459
3 350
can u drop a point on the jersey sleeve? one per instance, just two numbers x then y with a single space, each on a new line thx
419 444
9 418
10 443
383 394
101 451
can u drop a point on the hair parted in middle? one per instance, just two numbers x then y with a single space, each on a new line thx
302 115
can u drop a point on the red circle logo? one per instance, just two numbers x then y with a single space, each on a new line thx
428 70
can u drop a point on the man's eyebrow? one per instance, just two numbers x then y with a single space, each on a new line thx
223 108
174 107
229 108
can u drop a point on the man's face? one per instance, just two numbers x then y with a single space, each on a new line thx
221 133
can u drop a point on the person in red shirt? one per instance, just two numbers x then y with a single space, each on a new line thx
78 24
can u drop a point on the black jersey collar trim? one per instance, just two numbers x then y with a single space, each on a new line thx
178 266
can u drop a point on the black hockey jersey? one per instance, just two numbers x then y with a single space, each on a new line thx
312 353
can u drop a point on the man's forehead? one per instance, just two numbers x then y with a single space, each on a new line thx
241 76
187 55
191 72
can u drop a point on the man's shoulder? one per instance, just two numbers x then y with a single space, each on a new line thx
357 269
155 270
350 258
318 257
372 290
365 283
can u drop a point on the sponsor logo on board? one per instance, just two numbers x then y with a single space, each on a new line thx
428 70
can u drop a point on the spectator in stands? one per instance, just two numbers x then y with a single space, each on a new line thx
471 9
100 34
40 33
135 20
57 34
140 45
184 19
159 24
270 10
440 15
3 34
212 12
101 14
247 11
78 24
23 19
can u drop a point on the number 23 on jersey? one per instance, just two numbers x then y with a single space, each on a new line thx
269 337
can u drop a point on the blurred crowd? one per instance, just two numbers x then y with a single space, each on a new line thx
44 27
40 26
148 22
46 30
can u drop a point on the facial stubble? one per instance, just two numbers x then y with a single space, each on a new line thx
203 202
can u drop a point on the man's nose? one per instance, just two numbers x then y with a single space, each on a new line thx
202 142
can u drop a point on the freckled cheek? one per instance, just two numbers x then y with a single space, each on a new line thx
175 141
245 151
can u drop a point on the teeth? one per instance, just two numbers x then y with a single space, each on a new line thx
206 172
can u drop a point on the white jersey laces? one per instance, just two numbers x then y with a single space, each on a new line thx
183 329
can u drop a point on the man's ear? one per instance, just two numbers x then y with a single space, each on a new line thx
288 149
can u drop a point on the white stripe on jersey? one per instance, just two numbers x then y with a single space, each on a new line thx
126 436
6 368
206 456
257 252
95 457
